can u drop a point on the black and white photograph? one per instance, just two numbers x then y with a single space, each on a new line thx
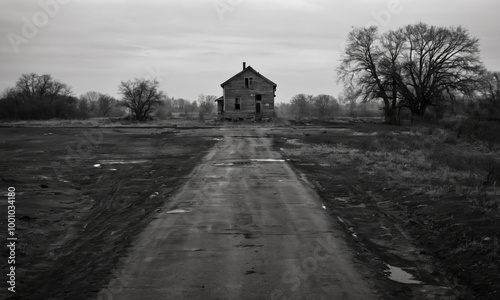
250 149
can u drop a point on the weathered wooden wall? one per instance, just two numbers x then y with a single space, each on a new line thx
236 88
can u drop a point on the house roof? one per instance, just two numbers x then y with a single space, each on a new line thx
246 69
221 98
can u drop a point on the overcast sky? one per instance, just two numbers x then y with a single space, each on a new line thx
193 46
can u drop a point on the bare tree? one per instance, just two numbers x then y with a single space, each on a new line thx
141 96
392 44
91 96
490 95
416 66
194 106
33 86
105 104
88 103
437 61
491 85
323 105
206 105
40 97
360 69
301 105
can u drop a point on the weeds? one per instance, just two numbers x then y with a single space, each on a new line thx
447 189
487 247
428 161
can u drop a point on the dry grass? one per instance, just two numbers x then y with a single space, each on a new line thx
101 122
423 162
487 246
447 190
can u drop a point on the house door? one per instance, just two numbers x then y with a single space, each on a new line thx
257 108
258 98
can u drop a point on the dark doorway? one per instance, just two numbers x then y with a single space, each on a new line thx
257 107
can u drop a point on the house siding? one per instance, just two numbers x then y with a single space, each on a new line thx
248 96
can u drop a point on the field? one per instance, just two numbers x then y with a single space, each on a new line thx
83 193
419 206
413 197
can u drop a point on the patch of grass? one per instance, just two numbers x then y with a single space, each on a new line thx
487 166
488 248
445 188
430 161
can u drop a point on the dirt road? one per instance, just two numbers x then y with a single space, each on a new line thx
244 226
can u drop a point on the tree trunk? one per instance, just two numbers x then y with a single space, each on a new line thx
390 116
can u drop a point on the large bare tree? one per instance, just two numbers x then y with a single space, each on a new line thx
141 96
34 86
437 61
39 97
415 66
360 68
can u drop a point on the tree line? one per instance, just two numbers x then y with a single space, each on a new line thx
418 67
321 107
39 97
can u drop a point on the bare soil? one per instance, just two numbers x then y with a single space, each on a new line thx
83 194
431 210
413 198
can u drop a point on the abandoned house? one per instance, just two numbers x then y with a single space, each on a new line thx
247 95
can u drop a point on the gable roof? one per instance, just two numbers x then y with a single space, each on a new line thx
250 69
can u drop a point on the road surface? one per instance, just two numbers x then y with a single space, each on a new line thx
244 226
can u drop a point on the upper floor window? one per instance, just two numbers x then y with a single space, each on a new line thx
248 82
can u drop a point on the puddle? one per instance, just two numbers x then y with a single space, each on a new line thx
121 162
399 275
356 133
267 160
249 161
313 164
178 211
97 165
213 176
322 205
224 164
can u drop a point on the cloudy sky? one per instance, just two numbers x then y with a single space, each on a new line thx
193 46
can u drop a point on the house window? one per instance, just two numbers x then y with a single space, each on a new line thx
237 104
248 82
